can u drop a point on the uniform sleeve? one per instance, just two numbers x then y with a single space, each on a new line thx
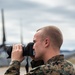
13 69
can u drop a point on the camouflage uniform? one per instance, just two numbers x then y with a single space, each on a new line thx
54 66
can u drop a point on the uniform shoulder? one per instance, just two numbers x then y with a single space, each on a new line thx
66 62
69 67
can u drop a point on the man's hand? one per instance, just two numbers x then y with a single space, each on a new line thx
17 53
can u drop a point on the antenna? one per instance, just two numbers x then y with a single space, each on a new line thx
4 38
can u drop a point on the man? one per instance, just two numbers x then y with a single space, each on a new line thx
47 44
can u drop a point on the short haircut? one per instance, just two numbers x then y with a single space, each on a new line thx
54 33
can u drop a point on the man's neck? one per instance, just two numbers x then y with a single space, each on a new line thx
50 54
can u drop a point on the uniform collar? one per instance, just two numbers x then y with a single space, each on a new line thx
56 58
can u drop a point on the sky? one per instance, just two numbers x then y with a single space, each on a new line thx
33 14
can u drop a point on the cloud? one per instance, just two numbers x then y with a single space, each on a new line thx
18 4
33 14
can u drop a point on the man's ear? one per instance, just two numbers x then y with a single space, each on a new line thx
47 42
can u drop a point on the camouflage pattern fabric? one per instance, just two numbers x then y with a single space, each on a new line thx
55 66
36 63
13 69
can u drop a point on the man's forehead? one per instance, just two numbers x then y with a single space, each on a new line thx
35 37
37 34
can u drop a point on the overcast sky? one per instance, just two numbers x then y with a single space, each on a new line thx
33 14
